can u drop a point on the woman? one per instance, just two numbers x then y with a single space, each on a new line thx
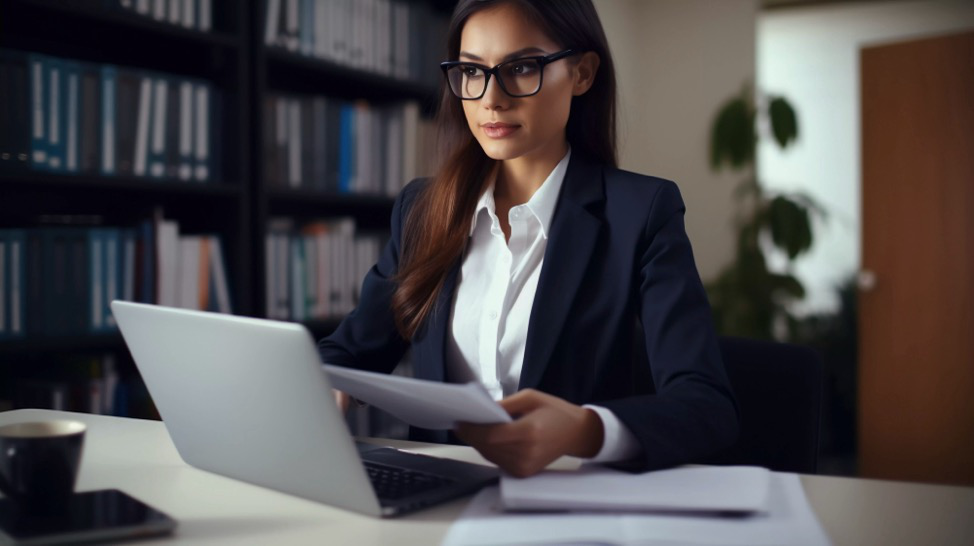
530 263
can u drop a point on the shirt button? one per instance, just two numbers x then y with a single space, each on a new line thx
493 315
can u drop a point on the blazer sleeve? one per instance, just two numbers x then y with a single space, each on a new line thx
693 412
367 339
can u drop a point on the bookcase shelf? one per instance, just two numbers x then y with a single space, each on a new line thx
94 17
45 345
126 184
239 203
299 73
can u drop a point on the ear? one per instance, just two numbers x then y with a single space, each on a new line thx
585 70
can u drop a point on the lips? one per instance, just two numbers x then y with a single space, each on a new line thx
497 129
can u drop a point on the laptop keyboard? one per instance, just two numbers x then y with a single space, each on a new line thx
393 483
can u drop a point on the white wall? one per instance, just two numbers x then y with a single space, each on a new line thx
677 61
811 55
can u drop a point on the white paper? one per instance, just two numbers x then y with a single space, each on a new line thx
593 487
426 404
789 521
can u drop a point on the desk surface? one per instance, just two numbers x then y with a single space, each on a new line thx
139 458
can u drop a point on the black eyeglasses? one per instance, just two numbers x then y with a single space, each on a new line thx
518 78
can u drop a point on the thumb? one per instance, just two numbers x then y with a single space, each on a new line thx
522 402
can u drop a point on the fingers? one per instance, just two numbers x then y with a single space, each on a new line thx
342 400
523 402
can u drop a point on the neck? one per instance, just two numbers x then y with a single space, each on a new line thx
519 178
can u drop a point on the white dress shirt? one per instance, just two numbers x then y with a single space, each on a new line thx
493 300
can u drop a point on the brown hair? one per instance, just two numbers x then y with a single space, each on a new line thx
438 224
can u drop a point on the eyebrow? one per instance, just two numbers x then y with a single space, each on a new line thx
509 56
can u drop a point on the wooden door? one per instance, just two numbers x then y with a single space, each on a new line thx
916 325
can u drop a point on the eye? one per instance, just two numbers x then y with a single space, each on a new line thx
471 71
524 68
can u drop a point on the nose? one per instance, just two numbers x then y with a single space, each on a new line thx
494 97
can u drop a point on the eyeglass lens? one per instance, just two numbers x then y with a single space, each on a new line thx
518 78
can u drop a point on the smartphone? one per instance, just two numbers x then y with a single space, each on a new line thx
91 516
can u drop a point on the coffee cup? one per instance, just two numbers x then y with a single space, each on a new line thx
39 464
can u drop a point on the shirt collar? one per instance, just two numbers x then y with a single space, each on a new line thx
542 203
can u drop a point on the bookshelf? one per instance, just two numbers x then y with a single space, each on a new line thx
95 49
239 201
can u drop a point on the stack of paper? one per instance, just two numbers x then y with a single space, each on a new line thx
789 520
689 489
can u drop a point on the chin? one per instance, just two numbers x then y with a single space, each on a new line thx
500 151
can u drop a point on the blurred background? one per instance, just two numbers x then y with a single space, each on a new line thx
222 155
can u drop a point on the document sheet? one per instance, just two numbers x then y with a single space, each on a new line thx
594 487
789 520
426 404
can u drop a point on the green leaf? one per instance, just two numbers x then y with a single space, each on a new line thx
733 139
791 228
784 122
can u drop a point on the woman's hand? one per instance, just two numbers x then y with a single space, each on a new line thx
545 428
343 400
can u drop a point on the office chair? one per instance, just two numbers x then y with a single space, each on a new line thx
778 388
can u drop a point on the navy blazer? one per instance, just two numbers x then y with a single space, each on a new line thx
620 317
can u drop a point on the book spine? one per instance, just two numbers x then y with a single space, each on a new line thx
108 139
55 114
157 147
139 167
201 136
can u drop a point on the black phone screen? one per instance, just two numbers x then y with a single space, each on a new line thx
95 515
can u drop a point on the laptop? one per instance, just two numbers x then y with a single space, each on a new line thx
248 399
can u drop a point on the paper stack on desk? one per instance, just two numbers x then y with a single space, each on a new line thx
690 489
787 520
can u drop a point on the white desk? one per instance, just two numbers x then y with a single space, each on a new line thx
138 457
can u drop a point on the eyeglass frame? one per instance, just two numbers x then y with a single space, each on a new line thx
542 60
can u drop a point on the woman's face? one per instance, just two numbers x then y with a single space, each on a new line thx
527 127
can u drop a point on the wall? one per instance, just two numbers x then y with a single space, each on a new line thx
677 61
811 55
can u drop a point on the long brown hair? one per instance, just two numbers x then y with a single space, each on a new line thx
438 224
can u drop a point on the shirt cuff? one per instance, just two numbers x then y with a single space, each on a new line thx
618 443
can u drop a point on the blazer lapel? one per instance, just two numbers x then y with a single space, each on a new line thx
571 241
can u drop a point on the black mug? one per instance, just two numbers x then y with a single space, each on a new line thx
39 464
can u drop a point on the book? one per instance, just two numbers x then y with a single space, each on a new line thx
15 112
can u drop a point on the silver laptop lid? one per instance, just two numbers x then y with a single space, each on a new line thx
247 398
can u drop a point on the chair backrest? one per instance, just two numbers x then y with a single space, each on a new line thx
779 393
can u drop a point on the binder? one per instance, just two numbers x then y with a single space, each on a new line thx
306 27
17 282
189 13
220 284
96 262
90 120
38 100
320 143
128 94
172 129
109 140
113 274
201 133
15 112
72 116
308 149
143 123
56 113
158 125
294 143
346 157
272 22
186 120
